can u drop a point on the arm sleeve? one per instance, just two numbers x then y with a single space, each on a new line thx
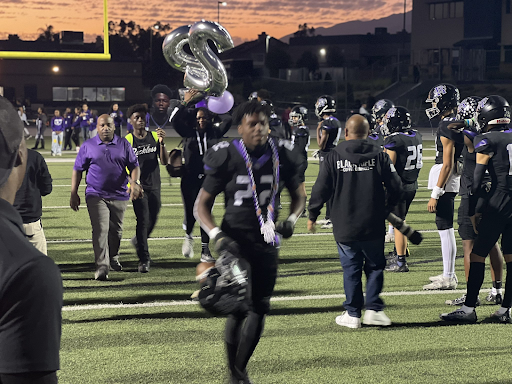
44 178
323 188
30 318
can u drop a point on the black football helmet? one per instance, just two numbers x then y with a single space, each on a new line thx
271 106
467 108
443 97
380 108
397 119
325 105
371 122
253 96
225 289
492 110
298 115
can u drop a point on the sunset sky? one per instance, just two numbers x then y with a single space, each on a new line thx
243 19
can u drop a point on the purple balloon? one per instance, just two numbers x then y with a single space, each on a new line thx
221 104
201 104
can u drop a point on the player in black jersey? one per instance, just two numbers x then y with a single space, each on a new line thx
466 120
379 110
374 135
277 128
444 179
300 140
405 148
494 152
328 134
248 171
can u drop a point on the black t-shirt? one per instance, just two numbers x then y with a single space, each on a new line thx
226 171
331 126
30 301
498 145
409 156
147 151
455 136
301 140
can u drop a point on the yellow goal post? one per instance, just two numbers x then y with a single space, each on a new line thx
105 56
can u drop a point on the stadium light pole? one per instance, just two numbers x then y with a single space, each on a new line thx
157 27
219 3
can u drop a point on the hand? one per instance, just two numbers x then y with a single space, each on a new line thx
225 243
189 95
135 191
161 135
74 201
475 220
432 205
285 228
311 226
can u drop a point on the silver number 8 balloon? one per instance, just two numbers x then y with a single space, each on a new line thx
203 71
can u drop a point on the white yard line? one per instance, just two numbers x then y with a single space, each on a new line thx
70 308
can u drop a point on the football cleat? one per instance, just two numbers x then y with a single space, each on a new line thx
187 249
460 301
459 316
144 267
322 222
496 299
501 317
394 267
327 225
439 277
206 257
443 283
345 320
101 274
390 237
115 265
379 318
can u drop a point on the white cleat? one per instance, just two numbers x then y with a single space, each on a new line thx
442 284
390 237
187 248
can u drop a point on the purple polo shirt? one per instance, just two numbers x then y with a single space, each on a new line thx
106 167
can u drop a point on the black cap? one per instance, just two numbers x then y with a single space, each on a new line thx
11 134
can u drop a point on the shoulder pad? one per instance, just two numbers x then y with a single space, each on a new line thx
216 156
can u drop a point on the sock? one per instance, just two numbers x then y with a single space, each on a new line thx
507 299
400 260
391 230
475 281
204 248
502 310
189 236
448 250
467 309
496 287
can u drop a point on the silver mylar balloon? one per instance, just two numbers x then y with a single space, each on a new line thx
199 34
196 76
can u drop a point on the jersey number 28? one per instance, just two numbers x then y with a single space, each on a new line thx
415 159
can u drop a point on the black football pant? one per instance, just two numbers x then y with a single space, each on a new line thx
190 186
75 136
146 211
67 138
243 330
29 378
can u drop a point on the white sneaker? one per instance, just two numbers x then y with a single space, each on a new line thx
439 277
187 248
390 237
327 225
77 149
345 320
322 222
443 283
59 154
372 317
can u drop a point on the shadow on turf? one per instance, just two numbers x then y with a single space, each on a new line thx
127 300
144 316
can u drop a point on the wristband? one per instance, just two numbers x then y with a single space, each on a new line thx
292 218
214 232
437 192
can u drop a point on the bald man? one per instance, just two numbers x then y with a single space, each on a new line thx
105 157
356 175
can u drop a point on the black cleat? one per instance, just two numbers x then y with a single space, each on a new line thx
394 267
459 316
501 318
496 299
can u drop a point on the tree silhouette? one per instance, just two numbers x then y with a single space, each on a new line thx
304 30
48 34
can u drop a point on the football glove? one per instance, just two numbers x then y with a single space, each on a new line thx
225 243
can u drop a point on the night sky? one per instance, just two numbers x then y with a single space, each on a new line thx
243 19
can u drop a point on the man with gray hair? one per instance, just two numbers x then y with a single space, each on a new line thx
30 283
105 157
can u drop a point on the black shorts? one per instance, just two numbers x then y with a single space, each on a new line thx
301 170
496 221
445 210
262 260
403 205
466 231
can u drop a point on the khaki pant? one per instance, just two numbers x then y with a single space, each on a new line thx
35 235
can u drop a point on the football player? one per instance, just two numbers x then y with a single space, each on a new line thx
466 115
374 135
379 110
493 152
404 146
444 179
248 171
328 134
300 141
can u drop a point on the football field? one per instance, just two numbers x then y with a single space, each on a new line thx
143 328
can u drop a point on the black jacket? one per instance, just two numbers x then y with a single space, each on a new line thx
356 174
37 183
195 145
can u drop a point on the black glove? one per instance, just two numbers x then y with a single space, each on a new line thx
285 228
225 243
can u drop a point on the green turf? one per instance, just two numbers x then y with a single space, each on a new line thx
301 342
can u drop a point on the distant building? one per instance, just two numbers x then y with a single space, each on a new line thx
67 82
462 40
